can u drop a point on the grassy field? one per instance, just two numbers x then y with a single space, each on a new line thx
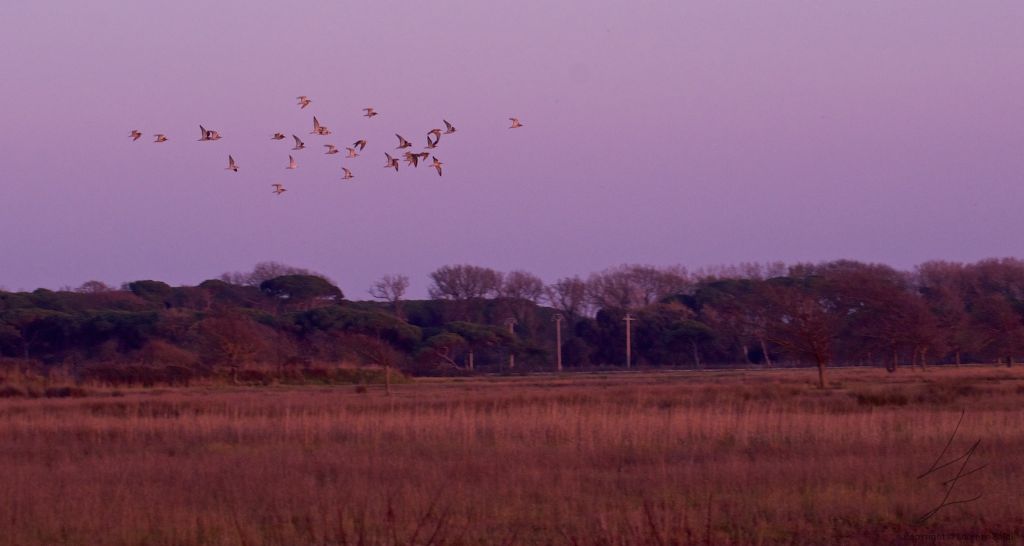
661 458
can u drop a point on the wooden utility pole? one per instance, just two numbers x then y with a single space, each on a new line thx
558 318
511 323
629 346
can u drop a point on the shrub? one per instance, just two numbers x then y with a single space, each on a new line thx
65 392
10 391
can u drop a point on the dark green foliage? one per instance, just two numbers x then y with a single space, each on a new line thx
355 321
576 352
224 294
445 341
481 335
130 330
840 312
301 289
154 291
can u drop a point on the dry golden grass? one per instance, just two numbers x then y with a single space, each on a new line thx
667 458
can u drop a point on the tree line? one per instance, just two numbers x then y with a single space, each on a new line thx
476 318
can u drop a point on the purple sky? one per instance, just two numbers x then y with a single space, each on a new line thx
658 132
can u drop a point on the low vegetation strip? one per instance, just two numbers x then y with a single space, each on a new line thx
478 320
660 458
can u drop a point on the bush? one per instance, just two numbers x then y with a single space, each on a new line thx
135 374
882 398
10 391
65 392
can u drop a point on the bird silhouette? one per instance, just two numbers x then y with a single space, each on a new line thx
278 189
208 134
437 165
136 135
449 128
319 129
232 166
369 112
303 101
437 138
298 143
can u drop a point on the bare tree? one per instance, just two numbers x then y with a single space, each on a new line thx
612 288
635 286
519 294
464 282
805 319
942 286
995 300
569 295
522 285
377 352
264 271
883 312
391 288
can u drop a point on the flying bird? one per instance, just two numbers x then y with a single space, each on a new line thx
348 174
298 143
319 129
278 136
232 166
330 149
411 159
278 189
392 162
136 135
449 128
515 123
292 164
208 134
369 112
351 153
160 138
431 144
437 138
303 101
402 143
359 144
437 165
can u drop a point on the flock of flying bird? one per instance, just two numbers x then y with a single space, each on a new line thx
413 159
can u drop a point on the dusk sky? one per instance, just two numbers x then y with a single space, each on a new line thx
655 132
